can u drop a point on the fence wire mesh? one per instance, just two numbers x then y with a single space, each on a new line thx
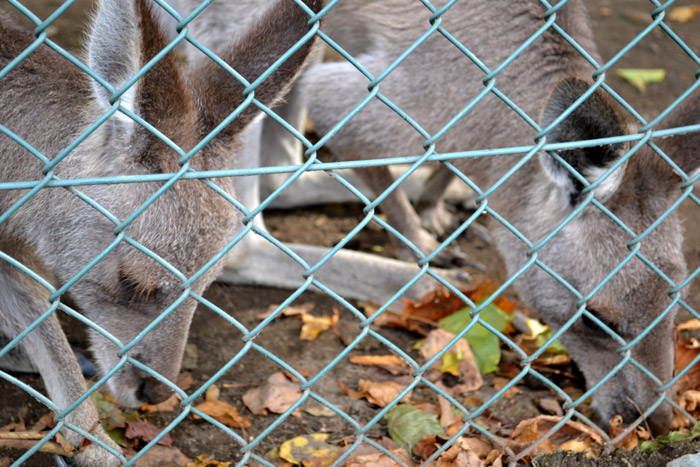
17 194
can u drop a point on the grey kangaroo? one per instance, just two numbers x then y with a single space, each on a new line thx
437 81
48 102
434 83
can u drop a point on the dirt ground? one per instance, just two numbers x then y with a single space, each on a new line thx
213 341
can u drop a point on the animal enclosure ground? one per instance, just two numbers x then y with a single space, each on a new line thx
213 341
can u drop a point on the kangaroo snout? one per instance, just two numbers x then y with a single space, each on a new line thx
152 391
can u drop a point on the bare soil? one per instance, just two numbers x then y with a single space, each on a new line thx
213 342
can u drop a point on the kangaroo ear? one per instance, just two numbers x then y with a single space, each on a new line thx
595 118
114 50
219 93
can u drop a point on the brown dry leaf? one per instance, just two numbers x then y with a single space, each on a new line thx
15 426
683 14
377 360
162 456
690 325
320 411
460 454
205 461
5 462
554 360
499 383
689 401
631 441
46 421
379 459
276 395
314 325
289 311
469 372
686 350
26 440
142 430
391 363
393 319
377 393
224 413
168 405
427 446
532 429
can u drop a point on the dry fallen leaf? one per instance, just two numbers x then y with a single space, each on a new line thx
314 325
379 459
309 451
297 310
320 411
276 395
142 430
532 429
469 372
378 393
631 441
459 454
686 351
162 456
499 383
683 14
223 412
205 461
28 439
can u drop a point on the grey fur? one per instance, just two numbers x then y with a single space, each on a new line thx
433 84
48 102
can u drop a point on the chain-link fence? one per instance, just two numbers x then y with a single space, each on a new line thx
121 197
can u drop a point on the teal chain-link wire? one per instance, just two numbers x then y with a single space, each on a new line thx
434 26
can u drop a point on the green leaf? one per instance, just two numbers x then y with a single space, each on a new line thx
640 77
485 345
408 425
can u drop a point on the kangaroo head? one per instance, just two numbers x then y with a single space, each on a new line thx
604 262
150 271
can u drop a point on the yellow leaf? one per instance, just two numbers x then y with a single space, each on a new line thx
313 326
640 77
683 14
536 328
575 445
309 451
451 361
212 393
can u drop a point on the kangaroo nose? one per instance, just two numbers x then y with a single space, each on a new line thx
660 421
152 391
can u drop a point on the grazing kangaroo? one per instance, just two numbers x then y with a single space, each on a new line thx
437 81
434 83
48 102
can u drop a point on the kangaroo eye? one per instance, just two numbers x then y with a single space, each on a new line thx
593 326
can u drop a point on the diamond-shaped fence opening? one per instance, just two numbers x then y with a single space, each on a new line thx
138 172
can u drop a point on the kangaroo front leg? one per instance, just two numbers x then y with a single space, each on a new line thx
22 301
